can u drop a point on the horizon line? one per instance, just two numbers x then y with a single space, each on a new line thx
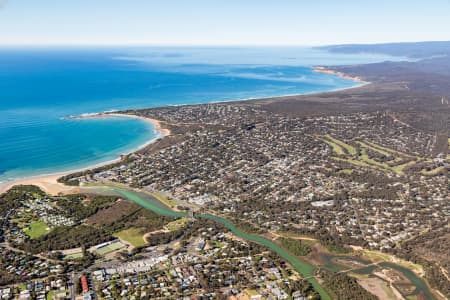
210 45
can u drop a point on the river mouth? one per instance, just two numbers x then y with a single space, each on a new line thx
405 281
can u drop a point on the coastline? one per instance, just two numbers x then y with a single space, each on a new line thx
49 183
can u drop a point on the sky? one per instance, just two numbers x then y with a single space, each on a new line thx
224 22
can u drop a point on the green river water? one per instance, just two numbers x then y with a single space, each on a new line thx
303 267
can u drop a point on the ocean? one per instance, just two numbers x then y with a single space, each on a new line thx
40 87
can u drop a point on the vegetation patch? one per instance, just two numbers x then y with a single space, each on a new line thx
61 238
115 212
342 286
124 215
296 247
81 207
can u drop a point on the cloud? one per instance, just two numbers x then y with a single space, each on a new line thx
3 3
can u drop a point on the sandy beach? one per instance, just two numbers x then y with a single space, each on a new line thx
324 70
49 183
155 122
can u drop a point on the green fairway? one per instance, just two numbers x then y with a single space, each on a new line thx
433 172
357 163
400 168
389 150
364 157
134 236
375 148
37 229
350 149
346 171
397 156
336 148
363 160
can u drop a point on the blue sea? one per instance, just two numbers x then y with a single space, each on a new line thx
39 87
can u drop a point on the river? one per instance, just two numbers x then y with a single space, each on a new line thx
303 267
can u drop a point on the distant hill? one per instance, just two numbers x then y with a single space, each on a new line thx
432 61
418 50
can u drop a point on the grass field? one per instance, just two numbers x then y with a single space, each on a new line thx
110 248
177 224
37 229
54 294
134 236
73 256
